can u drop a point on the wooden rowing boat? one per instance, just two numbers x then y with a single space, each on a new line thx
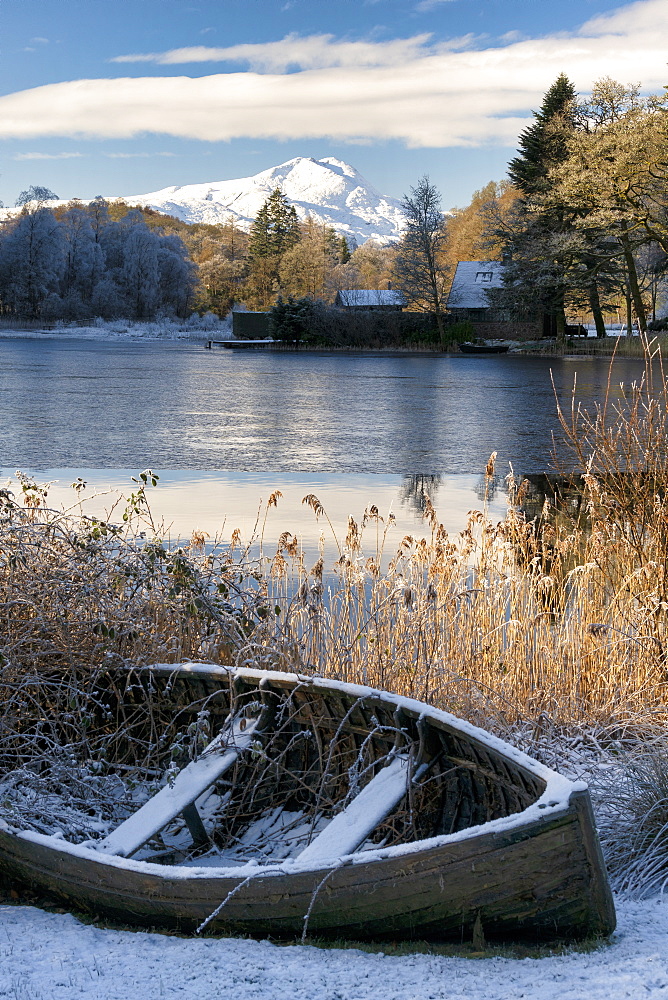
467 348
414 824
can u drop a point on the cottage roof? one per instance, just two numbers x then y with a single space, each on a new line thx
470 282
370 297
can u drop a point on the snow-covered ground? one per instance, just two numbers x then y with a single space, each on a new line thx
195 328
51 955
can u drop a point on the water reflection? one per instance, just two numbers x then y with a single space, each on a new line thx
217 504
416 490
92 404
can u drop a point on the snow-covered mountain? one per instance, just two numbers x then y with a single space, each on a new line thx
329 190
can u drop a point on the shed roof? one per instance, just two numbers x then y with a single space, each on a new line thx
472 278
369 297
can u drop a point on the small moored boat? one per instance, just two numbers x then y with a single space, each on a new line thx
359 813
483 348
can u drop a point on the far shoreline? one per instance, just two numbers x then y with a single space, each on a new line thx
186 333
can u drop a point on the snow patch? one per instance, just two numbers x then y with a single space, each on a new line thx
51 956
329 190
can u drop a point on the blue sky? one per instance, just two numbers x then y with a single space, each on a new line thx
128 96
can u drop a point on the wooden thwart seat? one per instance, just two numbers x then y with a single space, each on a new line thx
179 797
350 828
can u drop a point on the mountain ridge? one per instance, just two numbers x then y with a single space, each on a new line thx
330 190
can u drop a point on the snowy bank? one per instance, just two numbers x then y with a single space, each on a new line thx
50 955
196 328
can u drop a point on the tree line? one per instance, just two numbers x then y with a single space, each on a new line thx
81 261
580 223
588 231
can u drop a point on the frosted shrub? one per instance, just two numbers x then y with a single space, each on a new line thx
208 321
81 597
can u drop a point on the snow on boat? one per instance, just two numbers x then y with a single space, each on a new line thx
351 811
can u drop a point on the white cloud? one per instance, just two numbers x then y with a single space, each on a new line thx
47 156
411 90
426 5
134 156
512 36
310 52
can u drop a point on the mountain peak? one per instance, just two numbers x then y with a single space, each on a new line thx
329 190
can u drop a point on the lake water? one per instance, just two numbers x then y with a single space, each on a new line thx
225 428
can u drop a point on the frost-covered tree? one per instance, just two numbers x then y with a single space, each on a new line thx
32 262
177 275
84 261
140 274
417 264
36 196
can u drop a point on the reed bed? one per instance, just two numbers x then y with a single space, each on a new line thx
550 627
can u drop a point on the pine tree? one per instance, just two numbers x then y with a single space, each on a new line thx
543 226
260 242
344 250
274 233
544 144
276 227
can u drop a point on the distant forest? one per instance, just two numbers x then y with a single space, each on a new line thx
84 261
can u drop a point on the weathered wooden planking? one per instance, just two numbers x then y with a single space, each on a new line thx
217 758
350 828
537 881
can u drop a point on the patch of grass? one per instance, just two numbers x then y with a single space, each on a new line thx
516 950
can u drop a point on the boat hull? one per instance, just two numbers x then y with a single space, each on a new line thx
535 874
539 882
483 348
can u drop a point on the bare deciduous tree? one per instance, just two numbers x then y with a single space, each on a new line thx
417 266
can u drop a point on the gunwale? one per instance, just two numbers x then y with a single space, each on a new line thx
551 846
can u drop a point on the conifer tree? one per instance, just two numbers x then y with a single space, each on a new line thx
544 144
541 229
274 232
276 227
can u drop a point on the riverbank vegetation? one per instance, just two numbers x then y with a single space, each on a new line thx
549 627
